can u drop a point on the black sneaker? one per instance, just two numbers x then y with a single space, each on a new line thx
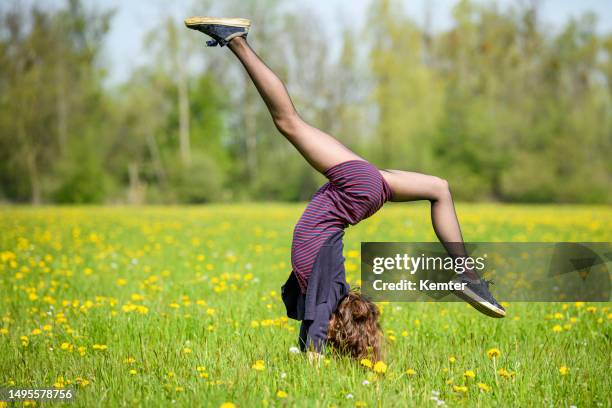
477 294
222 30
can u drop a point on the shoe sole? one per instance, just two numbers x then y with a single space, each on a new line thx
480 304
232 22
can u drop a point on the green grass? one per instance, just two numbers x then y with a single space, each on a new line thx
174 289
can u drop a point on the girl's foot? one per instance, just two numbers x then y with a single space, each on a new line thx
477 294
221 30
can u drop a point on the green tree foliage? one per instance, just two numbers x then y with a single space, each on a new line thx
50 96
500 104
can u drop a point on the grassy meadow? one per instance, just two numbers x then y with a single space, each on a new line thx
181 305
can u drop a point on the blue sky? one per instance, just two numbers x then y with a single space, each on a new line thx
133 18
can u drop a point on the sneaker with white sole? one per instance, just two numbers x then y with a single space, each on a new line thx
221 30
477 294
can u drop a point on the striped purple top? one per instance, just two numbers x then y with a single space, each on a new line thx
355 191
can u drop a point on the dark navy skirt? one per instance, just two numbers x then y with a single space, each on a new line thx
327 287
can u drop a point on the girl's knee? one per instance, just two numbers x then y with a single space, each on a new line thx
441 187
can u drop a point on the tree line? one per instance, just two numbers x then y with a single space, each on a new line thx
500 104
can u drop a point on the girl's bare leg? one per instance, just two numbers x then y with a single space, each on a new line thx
321 150
410 186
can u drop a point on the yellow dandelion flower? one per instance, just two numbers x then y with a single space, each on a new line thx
469 374
360 404
3 330
142 309
563 370
452 359
227 405
187 350
259 365
201 368
591 309
47 327
557 328
36 332
380 367
366 363
179 389
58 384
484 387
281 394
579 305
132 372
410 372
493 353
460 388
121 282
505 373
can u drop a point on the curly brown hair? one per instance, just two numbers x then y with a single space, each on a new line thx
354 329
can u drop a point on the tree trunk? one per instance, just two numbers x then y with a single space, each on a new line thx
35 193
250 131
384 119
156 157
136 189
183 95
62 110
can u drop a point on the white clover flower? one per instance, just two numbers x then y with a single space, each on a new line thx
349 396
365 382
283 375
294 350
